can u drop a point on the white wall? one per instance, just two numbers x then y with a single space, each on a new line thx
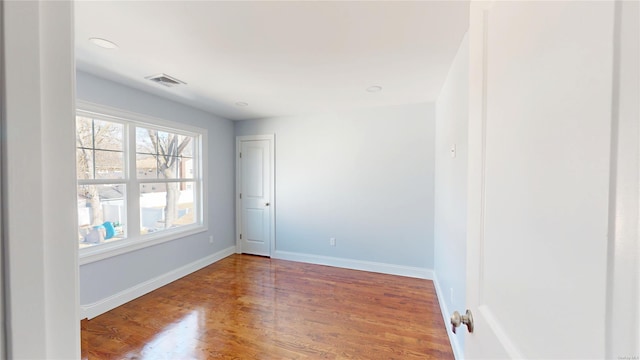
38 181
2 86
364 177
623 312
101 279
450 234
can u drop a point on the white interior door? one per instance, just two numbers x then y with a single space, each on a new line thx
539 157
255 198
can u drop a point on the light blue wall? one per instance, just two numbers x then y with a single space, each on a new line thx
107 277
365 177
452 114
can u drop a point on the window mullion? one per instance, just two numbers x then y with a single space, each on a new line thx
102 181
197 174
93 148
163 180
133 188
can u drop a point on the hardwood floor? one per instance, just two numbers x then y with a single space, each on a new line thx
247 307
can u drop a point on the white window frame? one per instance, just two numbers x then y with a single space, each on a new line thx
134 240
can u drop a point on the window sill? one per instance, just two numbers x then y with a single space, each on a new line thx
105 251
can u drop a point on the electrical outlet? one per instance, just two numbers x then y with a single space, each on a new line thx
332 241
210 239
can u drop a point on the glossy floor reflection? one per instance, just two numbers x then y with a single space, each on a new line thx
178 338
246 307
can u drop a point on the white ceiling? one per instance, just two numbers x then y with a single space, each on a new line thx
282 58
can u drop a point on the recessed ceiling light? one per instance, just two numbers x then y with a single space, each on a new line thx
241 104
374 88
103 43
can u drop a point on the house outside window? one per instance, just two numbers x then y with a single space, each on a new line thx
140 181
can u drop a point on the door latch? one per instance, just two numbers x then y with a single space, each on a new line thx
466 319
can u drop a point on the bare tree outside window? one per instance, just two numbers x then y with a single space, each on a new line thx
163 171
100 170
84 167
169 149
99 147
167 158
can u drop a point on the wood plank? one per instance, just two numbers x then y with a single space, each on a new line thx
248 307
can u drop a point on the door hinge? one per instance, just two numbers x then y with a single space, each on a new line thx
240 236
240 155
240 195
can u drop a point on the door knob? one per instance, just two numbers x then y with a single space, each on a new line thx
466 319
266 204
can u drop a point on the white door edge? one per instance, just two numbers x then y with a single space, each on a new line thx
239 140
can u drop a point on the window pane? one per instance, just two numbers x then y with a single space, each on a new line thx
163 143
108 135
170 167
84 163
173 154
147 166
109 164
162 155
144 143
166 206
84 132
186 171
186 145
101 214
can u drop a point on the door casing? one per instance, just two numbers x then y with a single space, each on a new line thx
272 225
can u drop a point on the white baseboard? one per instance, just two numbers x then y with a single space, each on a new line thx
90 311
416 272
455 345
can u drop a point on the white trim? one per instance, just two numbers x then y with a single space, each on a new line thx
104 251
2 237
92 310
237 197
272 200
453 339
391 269
119 115
39 234
135 241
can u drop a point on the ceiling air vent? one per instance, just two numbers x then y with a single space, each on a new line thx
165 80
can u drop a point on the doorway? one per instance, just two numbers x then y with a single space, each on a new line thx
255 188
